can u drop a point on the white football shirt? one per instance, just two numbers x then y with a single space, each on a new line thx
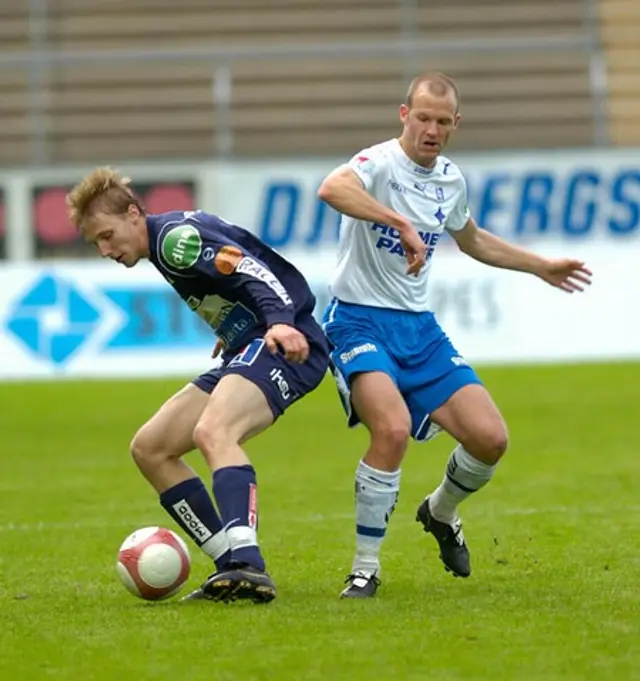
372 267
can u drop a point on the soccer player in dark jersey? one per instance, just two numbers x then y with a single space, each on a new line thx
273 353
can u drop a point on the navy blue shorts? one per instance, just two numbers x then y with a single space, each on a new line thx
281 381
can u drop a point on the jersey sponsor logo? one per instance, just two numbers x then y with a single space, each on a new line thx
389 240
233 321
208 253
393 246
193 302
229 320
249 354
460 361
252 511
181 246
283 386
226 259
197 528
364 164
346 357
420 170
226 311
422 188
254 269
397 187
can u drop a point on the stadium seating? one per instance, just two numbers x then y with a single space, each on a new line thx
286 106
620 30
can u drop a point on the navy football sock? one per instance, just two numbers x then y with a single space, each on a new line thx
190 505
235 490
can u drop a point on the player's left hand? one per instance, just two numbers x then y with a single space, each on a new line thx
566 274
293 343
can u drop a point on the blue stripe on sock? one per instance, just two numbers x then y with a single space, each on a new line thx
370 531
381 482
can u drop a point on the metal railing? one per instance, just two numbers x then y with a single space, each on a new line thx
41 56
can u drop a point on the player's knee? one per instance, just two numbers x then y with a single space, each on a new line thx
146 449
497 443
392 436
211 436
492 444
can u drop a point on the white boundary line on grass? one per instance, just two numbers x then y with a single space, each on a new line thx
46 526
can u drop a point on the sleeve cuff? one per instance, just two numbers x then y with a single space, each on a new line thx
279 317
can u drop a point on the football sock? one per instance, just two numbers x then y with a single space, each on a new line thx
376 497
464 476
190 505
236 493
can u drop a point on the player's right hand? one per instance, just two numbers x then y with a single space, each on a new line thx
414 248
220 346
293 343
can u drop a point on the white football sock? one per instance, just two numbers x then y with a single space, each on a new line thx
464 476
376 497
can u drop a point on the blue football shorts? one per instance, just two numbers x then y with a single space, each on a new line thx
410 347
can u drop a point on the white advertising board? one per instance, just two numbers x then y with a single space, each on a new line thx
561 195
549 196
72 319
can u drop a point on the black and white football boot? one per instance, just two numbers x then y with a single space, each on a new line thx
237 582
361 585
453 548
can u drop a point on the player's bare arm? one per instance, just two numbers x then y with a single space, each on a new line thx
567 274
343 190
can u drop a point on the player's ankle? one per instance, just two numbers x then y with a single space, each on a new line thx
442 507
248 557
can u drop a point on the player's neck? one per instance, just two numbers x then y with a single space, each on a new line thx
407 152
145 239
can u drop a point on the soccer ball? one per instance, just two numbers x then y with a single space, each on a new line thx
153 563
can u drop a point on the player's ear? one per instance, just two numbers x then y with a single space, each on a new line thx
404 113
133 211
456 121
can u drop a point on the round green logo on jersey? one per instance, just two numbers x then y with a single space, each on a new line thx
181 246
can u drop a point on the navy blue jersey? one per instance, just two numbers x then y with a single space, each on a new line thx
236 283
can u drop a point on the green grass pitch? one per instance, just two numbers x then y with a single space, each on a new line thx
555 592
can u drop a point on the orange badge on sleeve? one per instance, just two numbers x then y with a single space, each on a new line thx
227 259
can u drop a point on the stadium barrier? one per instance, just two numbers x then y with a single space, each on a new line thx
76 319
527 197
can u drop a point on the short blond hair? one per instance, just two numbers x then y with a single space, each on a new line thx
103 190
438 83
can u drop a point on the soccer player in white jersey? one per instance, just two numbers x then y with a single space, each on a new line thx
396 370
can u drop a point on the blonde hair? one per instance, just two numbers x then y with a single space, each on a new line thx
103 190
439 84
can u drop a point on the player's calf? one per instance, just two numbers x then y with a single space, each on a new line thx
376 495
156 449
377 481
